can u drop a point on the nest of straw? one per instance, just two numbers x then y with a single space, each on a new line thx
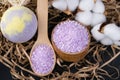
97 65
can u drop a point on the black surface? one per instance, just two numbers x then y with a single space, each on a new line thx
4 73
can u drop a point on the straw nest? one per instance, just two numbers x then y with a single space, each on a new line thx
98 64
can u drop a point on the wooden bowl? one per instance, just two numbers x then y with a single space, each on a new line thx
67 56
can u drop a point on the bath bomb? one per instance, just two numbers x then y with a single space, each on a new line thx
70 40
18 24
42 60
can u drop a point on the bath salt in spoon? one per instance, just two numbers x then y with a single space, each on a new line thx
42 56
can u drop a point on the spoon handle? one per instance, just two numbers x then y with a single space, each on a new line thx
42 13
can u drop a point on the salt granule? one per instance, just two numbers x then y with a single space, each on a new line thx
70 37
42 59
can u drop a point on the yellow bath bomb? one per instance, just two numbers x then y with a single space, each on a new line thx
18 24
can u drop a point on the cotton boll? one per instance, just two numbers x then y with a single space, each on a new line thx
96 34
25 2
98 18
72 4
60 4
106 41
86 5
117 43
112 31
99 7
84 17
18 2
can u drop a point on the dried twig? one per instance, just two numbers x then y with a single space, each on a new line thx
109 61
16 55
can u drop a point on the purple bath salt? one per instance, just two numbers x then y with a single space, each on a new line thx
42 59
70 37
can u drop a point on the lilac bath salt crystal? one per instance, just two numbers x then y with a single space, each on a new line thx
70 37
42 59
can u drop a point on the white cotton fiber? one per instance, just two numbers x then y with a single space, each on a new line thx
98 18
96 34
84 17
60 4
18 2
112 31
72 4
106 41
117 43
86 5
99 7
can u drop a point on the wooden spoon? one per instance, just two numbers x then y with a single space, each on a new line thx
42 39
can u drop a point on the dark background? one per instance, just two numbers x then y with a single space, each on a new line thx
5 72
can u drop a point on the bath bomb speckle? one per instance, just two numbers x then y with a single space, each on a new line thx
18 24
42 59
70 37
